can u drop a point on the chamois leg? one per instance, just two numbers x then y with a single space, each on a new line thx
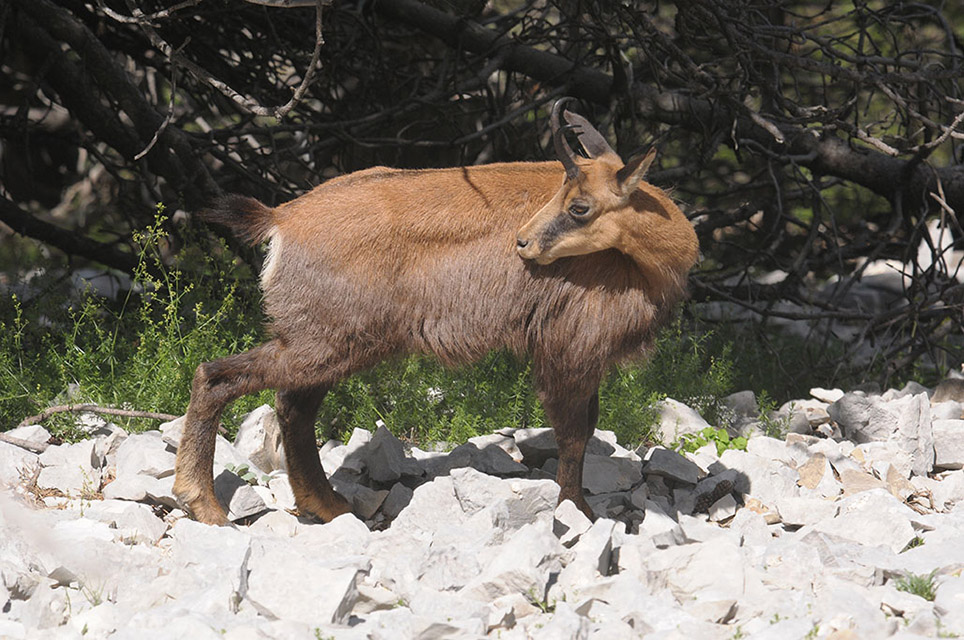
573 419
297 409
215 385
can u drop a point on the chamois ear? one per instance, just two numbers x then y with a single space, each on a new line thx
632 173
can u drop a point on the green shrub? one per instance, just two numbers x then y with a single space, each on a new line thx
139 352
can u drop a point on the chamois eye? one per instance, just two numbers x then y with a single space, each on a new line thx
578 209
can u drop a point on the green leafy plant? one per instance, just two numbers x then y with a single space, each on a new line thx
692 441
923 585
136 352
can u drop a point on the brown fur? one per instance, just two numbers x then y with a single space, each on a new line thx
387 262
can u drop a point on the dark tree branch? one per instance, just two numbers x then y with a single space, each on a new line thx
884 175
70 242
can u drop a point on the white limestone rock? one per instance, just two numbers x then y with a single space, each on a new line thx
70 468
240 498
676 419
145 454
16 462
131 522
905 419
505 442
872 518
259 439
949 444
569 523
801 511
286 584
759 477
142 488
522 565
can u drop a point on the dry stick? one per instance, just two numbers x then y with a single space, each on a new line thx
93 408
35 447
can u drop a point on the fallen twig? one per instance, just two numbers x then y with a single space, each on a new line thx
35 447
93 408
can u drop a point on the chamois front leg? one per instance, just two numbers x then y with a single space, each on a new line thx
297 409
573 419
215 385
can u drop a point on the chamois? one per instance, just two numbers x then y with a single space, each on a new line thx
572 263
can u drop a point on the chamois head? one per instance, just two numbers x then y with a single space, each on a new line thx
596 207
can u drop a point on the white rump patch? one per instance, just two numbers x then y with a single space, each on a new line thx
270 266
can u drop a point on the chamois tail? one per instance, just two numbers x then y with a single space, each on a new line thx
246 217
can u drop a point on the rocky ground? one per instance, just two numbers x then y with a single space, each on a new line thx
850 526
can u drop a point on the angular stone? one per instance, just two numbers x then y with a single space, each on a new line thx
364 500
322 593
723 509
671 465
800 511
238 496
504 442
133 522
33 433
15 462
569 523
259 439
711 570
141 488
144 454
872 518
518 502
905 420
522 565
280 488
397 499
854 481
70 468
536 445
659 527
491 460
949 444
826 395
743 403
947 410
817 476
759 477
676 419
607 474
591 559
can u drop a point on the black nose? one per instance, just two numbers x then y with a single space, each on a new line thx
521 243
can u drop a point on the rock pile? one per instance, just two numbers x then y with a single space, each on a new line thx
813 535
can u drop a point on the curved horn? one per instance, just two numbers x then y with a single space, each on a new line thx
591 140
563 151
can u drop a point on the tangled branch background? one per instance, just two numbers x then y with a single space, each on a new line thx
817 146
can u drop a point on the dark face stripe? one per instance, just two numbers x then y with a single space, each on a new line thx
560 226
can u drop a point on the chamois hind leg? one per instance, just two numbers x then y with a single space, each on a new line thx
297 409
215 385
573 418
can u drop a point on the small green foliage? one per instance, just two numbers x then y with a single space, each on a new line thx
917 541
692 441
772 427
923 585
139 351
245 473
542 603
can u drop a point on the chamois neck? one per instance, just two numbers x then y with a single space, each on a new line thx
660 239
